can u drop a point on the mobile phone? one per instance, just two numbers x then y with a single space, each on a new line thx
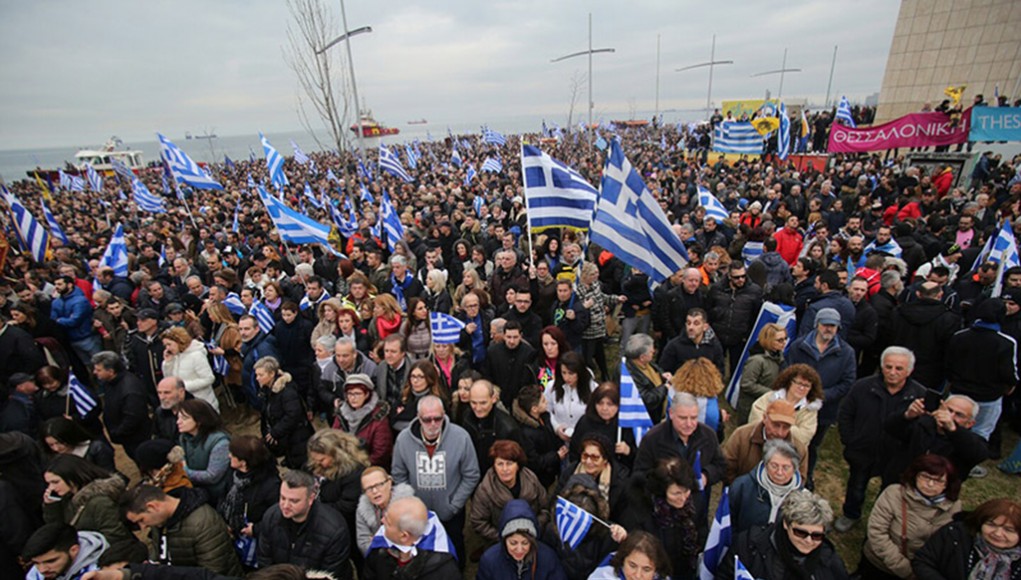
932 400
52 496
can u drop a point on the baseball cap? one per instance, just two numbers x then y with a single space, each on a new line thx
781 411
148 313
827 316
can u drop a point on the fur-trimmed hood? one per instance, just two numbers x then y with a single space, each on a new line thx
283 379
521 416
112 487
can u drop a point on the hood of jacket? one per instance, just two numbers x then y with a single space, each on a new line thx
517 509
923 311
282 380
772 259
191 500
196 347
111 487
91 546
521 416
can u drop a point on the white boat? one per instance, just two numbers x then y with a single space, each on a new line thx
100 158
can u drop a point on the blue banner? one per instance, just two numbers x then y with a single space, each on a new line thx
995 124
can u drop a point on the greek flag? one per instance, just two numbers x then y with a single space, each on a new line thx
95 179
572 523
71 182
363 171
346 227
220 365
144 198
492 165
477 204
299 155
718 541
391 222
412 158
33 236
632 412
120 169
84 400
892 248
446 329
844 113
740 572
697 468
601 143
492 137
294 227
435 539
469 175
713 207
237 210
184 169
275 162
737 137
557 195
1004 253
365 196
769 313
783 143
455 157
389 162
751 251
629 223
51 221
234 304
331 175
307 302
263 316
311 196
116 254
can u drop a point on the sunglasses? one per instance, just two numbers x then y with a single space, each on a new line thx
428 420
803 534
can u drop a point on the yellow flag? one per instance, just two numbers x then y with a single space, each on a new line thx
766 125
955 93
42 187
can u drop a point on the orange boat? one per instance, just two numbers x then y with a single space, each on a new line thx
370 128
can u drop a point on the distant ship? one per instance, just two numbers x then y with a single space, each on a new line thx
99 158
206 136
370 128
418 122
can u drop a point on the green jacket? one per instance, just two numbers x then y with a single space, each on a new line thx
194 536
93 508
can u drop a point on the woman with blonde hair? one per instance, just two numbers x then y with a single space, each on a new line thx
470 281
761 369
338 460
326 313
437 298
185 358
700 378
386 317
226 339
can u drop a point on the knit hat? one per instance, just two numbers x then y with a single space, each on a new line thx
152 455
781 411
359 381
519 526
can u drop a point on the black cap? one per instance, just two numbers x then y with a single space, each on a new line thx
1011 294
152 454
18 379
173 308
148 313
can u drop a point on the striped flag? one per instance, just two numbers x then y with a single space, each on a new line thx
492 137
477 204
120 169
557 195
632 412
275 162
844 113
783 136
311 196
770 312
629 223
116 254
713 207
412 158
347 227
1004 253
737 137
330 175
299 155
363 171
51 221
220 364
263 316
33 236
95 179
469 175
145 200
572 523
71 182
391 164
84 400
492 165
294 227
365 196
740 572
183 168
455 158
391 222
446 329
718 541
234 304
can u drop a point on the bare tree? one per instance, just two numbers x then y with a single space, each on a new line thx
576 84
322 82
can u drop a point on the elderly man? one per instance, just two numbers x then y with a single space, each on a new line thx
409 547
402 283
170 392
329 380
672 301
437 458
946 431
649 378
867 406
487 422
391 373
743 449
506 275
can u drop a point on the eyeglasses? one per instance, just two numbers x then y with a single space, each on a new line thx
428 420
591 457
417 376
933 479
738 277
780 468
377 486
805 534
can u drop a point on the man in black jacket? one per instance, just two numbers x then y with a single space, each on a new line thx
125 406
733 305
925 327
144 351
510 364
530 322
487 423
865 327
171 392
698 340
673 300
300 530
396 553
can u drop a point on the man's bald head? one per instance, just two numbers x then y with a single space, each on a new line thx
405 520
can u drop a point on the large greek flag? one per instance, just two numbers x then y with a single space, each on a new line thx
294 227
737 137
718 541
391 164
51 221
183 168
556 195
783 144
144 198
844 113
445 328
33 236
275 162
572 522
629 223
116 254
713 206
311 196
770 312
95 179
632 412
391 222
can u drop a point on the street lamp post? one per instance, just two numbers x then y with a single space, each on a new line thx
711 64
589 52
346 38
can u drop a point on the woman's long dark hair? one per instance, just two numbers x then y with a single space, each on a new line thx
204 415
573 362
75 471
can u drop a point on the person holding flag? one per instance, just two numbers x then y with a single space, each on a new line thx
639 554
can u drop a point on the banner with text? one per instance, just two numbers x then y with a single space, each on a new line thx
995 124
913 130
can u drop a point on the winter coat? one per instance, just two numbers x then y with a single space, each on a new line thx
192 367
93 508
91 547
680 540
540 443
145 358
750 503
296 355
806 415
373 431
789 245
391 391
497 425
578 563
425 565
670 308
195 535
732 311
74 314
321 542
368 518
982 363
654 396
329 381
760 370
18 353
284 418
865 328
492 496
126 410
862 413
207 463
743 450
497 564
682 349
511 369
963 447
759 552
575 327
835 300
591 424
778 271
443 479
836 366
925 326
949 554
19 524
617 495
886 540
260 495
262 345
597 312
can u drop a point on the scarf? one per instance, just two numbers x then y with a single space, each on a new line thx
354 417
994 563
398 288
777 493
681 535
233 507
435 539
273 304
386 327
603 482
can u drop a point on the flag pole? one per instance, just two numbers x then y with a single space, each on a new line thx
67 403
594 518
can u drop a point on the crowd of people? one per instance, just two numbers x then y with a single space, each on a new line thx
339 436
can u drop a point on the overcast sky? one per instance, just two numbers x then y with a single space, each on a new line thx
78 72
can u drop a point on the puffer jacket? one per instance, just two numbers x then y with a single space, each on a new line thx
497 564
373 430
886 529
284 418
492 496
192 367
195 535
93 508
74 314
732 311
321 542
758 551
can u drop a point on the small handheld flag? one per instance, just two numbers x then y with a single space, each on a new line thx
740 572
573 523
713 207
718 541
632 409
84 400
446 329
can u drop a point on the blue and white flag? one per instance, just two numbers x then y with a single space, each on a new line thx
84 400
229 163
478 204
51 221
391 223
632 412
492 165
718 541
311 196
294 227
435 539
1004 253
116 254
455 157
220 364
713 207
71 182
237 210
783 136
330 175
307 302
740 572
183 168
33 236
557 195
95 179
234 304
275 162
363 171
145 200
412 158
263 316
469 175
601 143
770 312
446 329
392 165
120 169
365 196
697 468
751 251
572 523
347 227
892 248
299 155
629 223
737 137
844 113
492 137
605 571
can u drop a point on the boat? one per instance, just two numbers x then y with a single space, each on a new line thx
371 128
99 158
418 122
